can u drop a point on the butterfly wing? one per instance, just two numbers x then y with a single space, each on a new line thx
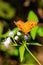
20 25
29 25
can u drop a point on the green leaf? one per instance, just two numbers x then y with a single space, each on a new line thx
14 31
33 32
32 16
36 44
40 31
21 51
6 10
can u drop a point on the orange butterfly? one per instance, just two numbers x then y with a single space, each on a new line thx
27 26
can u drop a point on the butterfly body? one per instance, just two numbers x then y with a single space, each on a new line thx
27 26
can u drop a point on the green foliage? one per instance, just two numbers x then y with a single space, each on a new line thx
21 51
21 48
2 47
33 32
6 11
12 51
32 16
1 28
34 43
40 31
7 34
36 30
40 3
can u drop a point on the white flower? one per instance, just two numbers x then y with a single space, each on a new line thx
18 33
7 42
11 33
25 37
16 38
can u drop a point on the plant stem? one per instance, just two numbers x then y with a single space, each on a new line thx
33 55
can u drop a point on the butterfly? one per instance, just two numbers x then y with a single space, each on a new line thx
26 26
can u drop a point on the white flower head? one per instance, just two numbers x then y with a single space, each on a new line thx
18 33
7 42
25 37
16 38
11 33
